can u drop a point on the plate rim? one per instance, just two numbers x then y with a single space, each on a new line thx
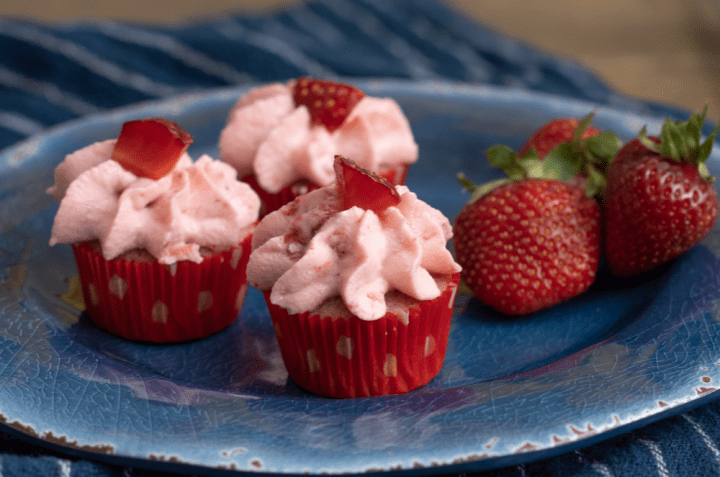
16 155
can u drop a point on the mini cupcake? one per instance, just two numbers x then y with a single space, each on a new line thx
359 284
282 138
161 242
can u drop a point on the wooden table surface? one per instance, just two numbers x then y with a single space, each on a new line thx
659 50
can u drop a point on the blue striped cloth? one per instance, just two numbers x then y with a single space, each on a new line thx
51 73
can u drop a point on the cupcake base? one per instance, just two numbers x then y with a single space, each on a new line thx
341 356
143 300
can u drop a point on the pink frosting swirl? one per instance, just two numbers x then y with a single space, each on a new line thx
196 205
311 250
270 137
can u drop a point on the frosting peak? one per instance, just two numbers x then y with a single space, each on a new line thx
268 136
312 250
196 205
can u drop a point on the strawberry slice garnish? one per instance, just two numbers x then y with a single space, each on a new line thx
150 147
362 188
329 102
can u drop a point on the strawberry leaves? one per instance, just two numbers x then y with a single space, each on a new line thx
680 142
582 160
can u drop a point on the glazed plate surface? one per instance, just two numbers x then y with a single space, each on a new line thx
511 390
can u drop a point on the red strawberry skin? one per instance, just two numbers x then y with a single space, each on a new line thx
150 147
654 209
362 188
329 102
528 245
554 133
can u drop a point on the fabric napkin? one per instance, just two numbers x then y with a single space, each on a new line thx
55 72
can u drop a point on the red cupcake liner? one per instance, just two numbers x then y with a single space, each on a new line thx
272 202
343 357
147 301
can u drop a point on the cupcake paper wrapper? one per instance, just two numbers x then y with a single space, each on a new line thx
272 202
148 301
347 358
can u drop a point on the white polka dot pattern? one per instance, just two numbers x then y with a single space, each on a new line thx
430 345
345 347
240 297
94 298
159 312
148 301
390 368
404 317
118 286
235 259
312 361
350 357
205 301
172 268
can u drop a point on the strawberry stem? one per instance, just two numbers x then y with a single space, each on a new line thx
581 127
467 184
480 191
588 157
680 142
503 157
580 161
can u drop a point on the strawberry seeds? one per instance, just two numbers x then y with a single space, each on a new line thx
534 239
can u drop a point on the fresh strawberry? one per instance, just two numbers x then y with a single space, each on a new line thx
531 240
660 200
529 244
329 102
565 149
363 188
150 147
556 132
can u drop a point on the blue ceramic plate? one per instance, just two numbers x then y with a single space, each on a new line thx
511 390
